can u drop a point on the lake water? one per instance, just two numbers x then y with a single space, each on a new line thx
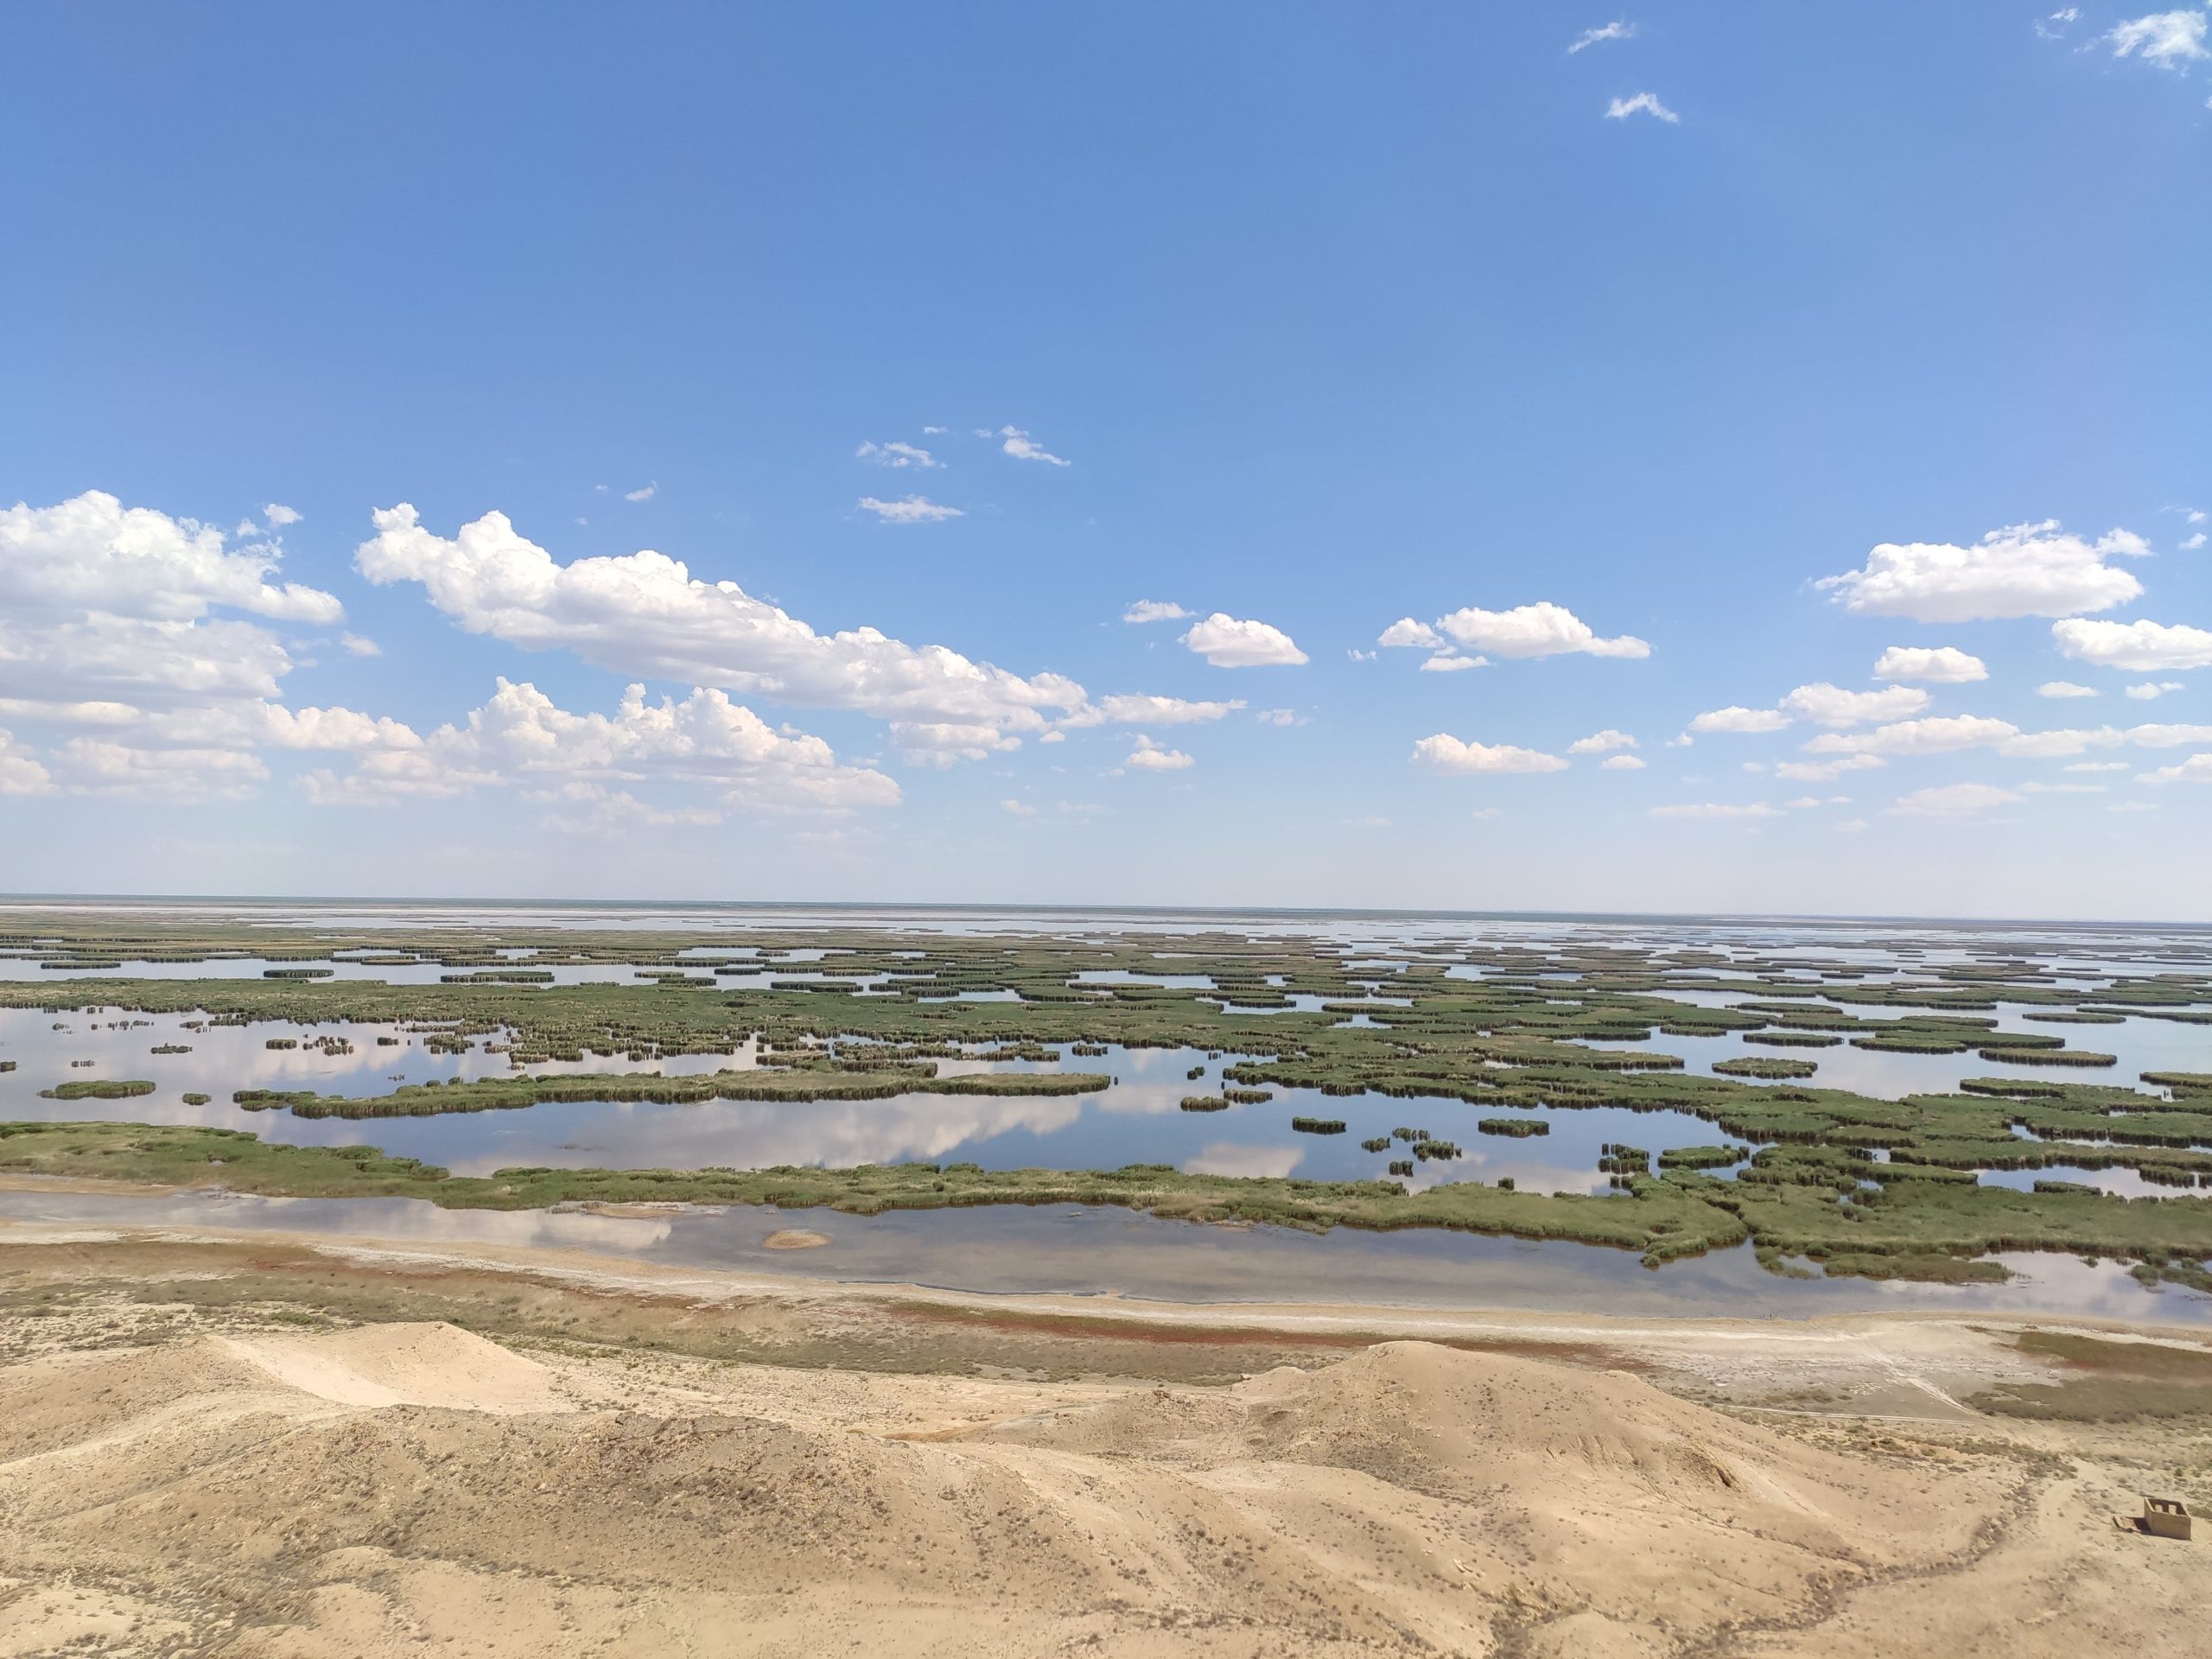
1137 1120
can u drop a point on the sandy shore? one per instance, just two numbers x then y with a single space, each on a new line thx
253 1443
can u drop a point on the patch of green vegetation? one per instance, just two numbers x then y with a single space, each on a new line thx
2106 1381
1926 1269
825 1081
1660 1220
2015 1055
1702 1157
97 1089
1761 1065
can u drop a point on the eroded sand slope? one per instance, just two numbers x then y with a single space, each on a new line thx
419 1489
409 1487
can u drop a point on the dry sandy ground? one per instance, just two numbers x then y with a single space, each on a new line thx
207 1447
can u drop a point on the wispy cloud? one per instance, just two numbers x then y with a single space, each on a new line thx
1022 447
2169 38
644 493
1619 29
1954 800
1642 104
1719 810
909 510
895 454
1154 610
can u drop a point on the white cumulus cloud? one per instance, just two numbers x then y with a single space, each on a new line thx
1146 709
1446 754
521 738
1938 734
644 613
92 554
2064 689
1936 665
1407 631
1148 756
1539 630
1737 718
1830 705
1231 642
1601 742
2168 737
2136 647
2022 570
100 602
2197 769
21 773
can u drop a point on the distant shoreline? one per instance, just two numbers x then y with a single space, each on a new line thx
974 908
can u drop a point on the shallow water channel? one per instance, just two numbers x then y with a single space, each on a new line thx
1070 1249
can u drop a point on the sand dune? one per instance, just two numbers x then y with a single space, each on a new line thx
407 1488
402 1366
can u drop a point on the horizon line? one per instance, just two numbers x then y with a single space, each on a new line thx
1035 907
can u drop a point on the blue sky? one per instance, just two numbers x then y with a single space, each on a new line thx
1687 370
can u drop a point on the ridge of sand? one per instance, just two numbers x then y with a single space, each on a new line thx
411 1364
245 1486
404 1481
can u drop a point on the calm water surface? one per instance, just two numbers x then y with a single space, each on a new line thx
1073 1250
